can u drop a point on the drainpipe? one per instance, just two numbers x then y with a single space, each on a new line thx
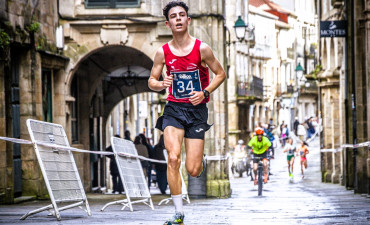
353 94
346 128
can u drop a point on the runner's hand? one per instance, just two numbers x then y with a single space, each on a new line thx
196 97
167 81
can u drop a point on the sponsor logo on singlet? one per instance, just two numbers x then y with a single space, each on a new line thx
184 82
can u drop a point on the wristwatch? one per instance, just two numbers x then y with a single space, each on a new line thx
206 93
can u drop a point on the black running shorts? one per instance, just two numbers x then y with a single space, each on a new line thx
263 155
192 119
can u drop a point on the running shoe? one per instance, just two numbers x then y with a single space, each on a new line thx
178 218
204 162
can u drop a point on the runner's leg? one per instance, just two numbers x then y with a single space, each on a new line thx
194 156
292 162
255 165
265 167
302 162
172 140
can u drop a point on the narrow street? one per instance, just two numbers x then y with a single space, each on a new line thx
305 201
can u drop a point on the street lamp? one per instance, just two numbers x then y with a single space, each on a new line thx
240 28
299 70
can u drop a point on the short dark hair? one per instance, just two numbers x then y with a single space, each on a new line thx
172 4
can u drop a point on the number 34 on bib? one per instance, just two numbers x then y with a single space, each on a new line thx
184 83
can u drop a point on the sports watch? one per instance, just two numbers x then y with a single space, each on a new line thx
206 93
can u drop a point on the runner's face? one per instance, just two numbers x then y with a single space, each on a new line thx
178 20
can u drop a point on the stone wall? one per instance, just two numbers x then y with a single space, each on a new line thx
350 167
332 101
362 55
31 27
3 160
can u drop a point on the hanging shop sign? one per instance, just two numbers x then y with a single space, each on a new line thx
335 28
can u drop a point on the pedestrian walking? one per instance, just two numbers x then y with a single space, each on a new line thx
282 125
311 129
185 115
290 150
301 131
145 141
285 134
116 179
295 126
127 135
160 168
303 151
142 150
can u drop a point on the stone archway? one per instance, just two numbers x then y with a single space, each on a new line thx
100 81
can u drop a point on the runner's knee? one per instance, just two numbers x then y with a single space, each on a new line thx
194 171
174 161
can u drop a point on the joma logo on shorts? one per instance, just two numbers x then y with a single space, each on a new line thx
184 76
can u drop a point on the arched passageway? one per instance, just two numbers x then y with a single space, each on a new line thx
101 80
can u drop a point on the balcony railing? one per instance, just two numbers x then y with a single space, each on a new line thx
310 87
251 89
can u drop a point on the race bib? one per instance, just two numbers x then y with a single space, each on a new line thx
184 83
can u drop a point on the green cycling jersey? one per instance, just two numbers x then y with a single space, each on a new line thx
259 147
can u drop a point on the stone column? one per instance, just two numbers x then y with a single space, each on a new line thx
30 82
59 103
336 175
6 198
211 31
367 90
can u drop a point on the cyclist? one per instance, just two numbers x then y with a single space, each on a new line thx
260 145
303 151
290 155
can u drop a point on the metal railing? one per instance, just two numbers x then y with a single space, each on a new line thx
254 88
310 87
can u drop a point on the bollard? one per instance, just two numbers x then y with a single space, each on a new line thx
197 187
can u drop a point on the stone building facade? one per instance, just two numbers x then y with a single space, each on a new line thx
31 78
105 58
345 95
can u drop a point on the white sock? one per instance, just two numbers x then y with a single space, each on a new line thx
177 201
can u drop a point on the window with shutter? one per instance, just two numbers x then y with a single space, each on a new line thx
111 3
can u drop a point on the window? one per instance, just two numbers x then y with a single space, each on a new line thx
74 111
111 3
47 99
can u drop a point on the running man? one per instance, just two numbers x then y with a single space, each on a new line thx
260 145
303 151
290 155
185 115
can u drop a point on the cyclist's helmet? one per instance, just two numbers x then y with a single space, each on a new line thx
240 142
259 130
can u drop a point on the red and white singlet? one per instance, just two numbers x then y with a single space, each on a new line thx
189 74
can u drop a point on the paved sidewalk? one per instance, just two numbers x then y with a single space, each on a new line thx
305 201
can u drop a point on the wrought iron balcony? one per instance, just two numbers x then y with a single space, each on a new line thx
310 87
252 89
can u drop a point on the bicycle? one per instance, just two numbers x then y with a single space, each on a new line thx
260 174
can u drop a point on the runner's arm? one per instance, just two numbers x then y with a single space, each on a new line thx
156 72
210 60
286 149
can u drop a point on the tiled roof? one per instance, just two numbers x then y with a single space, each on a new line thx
268 5
257 3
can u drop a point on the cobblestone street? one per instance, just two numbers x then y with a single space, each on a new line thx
305 201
